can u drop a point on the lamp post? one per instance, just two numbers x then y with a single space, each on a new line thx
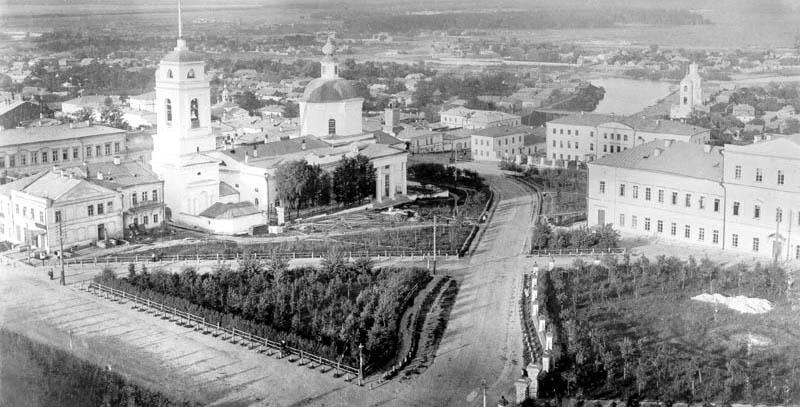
434 244
360 364
266 179
60 221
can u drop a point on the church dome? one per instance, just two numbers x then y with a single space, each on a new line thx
323 90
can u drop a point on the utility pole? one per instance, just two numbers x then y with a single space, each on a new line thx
434 244
266 178
360 364
61 243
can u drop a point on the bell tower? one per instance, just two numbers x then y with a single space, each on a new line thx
183 97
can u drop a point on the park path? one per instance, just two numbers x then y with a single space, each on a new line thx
482 341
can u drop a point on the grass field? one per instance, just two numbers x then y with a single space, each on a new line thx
34 374
632 330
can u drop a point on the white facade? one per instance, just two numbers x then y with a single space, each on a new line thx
746 200
586 136
497 144
764 198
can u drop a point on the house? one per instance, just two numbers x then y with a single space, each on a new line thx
744 113
16 113
140 191
498 143
54 208
477 119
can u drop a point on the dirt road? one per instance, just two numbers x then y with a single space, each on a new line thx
482 340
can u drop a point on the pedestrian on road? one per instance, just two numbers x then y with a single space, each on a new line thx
50 273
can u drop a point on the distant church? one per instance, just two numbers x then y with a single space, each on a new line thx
231 191
691 95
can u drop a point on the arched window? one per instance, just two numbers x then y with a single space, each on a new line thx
194 113
168 110
256 202
331 126
190 75
685 88
685 100
169 73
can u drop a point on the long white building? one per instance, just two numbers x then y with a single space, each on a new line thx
587 136
740 198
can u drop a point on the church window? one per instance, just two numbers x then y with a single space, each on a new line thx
190 74
331 126
685 88
169 73
168 108
194 113
685 100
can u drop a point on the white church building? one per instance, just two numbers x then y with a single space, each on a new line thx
230 191
691 95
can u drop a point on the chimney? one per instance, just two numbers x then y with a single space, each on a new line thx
667 143
116 160
706 148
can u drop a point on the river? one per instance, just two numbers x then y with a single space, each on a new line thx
628 96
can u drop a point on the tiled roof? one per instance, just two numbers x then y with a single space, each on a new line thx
679 158
276 148
229 210
29 135
126 174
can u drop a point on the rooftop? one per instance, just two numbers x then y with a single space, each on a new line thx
229 210
30 135
501 131
663 156
326 90
276 148
637 123
122 175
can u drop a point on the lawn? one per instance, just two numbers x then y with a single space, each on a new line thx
35 374
631 330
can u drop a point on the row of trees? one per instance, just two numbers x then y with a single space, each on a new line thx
629 330
329 310
303 185
603 237
54 377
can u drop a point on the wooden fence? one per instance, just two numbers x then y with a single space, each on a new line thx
577 252
233 335
422 254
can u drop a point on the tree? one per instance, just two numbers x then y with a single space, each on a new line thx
353 179
291 110
293 179
113 117
250 102
541 236
84 115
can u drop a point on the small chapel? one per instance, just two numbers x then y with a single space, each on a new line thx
231 190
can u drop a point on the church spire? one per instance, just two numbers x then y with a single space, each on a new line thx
181 42
180 21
